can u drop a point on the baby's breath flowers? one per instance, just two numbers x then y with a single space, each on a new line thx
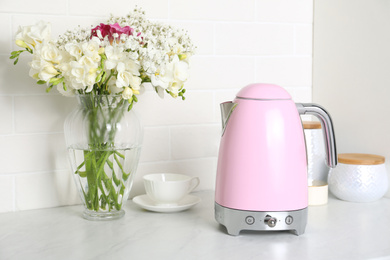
115 57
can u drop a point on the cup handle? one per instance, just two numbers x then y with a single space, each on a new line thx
194 183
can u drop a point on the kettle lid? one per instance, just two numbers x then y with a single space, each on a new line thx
263 91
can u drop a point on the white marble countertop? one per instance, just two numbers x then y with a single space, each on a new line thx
339 230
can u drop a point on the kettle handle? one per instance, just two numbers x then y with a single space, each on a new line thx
327 127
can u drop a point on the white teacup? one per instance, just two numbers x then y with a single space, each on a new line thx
169 188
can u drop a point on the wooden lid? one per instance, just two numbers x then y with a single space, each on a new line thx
361 159
311 125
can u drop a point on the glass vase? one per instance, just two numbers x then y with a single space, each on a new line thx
104 144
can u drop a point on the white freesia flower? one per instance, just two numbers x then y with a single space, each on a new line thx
112 86
74 49
123 77
114 56
135 83
132 66
83 73
180 70
49 52
175 73
161 81
47 71
41 68
35 67
127 93
33 34
91 49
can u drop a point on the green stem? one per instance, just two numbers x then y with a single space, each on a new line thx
103 191
90 169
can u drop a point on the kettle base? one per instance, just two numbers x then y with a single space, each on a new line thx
236 220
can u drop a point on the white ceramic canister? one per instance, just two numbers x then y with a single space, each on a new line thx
317 170
359 177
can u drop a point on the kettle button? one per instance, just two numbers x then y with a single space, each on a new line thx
250 220
289 220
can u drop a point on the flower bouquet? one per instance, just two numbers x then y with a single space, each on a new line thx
106 68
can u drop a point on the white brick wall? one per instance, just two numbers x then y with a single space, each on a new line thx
239 42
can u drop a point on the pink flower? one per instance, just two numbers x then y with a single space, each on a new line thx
110 29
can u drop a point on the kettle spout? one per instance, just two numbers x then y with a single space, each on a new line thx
226 110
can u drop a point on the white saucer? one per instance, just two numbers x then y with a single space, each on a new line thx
145 202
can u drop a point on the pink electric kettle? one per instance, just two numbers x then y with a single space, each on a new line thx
262 166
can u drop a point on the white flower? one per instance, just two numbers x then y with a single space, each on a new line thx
74 50
127 93
175 88
91 49
132 66
41 69
112 86
135 83
114 56
126 78
49 52
171 77
161 81
174 71
35 67
83 73
180 69
33 34
123 79
47 71
77 75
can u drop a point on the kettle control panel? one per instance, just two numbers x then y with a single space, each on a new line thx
237 220
269 220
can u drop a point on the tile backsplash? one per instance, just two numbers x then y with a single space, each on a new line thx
239 42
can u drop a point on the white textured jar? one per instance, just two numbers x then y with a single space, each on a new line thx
359 177
317 170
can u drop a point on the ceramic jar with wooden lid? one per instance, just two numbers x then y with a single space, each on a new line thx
317 170
359 177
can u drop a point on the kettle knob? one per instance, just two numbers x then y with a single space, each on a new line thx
270 221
